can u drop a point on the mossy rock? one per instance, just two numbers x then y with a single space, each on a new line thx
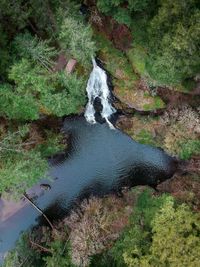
116 62
125 78
138 99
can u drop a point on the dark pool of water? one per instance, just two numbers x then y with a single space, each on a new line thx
99 161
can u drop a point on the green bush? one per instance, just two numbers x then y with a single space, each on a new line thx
17 106
189 148
60 255
145 137
23 255
136 239
160 233
56 253
175 239
53 250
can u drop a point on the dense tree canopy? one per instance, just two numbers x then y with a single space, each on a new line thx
170 33
32 36
163 49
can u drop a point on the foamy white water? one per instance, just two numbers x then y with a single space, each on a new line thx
97 87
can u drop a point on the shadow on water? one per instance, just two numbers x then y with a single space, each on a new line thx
99 161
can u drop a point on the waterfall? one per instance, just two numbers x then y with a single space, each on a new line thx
97 87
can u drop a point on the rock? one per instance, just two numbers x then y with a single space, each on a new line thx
124 123
119 74
138 99
70 65
61 62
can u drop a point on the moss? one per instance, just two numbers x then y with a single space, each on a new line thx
156 104
145 137
115 61
137 56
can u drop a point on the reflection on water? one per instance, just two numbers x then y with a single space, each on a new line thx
99 160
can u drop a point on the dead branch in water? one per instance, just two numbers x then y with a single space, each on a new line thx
39 210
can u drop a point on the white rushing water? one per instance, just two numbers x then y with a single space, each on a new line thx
97 87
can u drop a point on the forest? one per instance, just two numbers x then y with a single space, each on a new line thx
151 51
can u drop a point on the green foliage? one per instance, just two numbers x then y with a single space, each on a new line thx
107 6
140 5
137 56
16 106
174 42
13 14
145 137
21 166
188 148
124 12
51 145
120 14
68 98
57 253
137 237
35 80
174 231
60 255
4 54
169 32
156 104
81 45
39 51
22 255
159 234
39 92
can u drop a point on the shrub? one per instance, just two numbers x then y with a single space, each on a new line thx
136 239
189 148
23 255
60 254
56 253
175 240
95 226
145 137
160 233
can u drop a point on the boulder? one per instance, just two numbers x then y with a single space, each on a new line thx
70 65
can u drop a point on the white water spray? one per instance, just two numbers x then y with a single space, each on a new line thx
97 87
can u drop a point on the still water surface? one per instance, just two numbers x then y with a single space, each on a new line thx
99 160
